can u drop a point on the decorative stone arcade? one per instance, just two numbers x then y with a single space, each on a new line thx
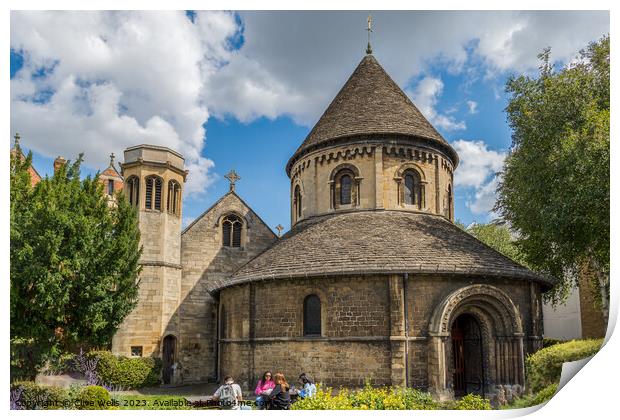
499 356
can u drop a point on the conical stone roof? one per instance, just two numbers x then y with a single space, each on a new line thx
371 103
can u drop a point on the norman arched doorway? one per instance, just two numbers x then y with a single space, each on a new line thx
467 356
168 358
476 342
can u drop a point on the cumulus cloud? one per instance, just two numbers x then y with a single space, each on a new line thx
478 168
101 81
425 96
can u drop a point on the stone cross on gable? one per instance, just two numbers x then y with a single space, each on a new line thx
111 159
17 137
232 177
279 228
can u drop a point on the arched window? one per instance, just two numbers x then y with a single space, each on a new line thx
413 191
174 197
297 202
153 193
312 315
231 231
345 189
110 187
133 189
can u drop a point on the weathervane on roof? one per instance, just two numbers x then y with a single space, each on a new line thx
232 177
369 48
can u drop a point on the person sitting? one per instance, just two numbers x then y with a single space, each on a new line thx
263 389
228 395
308 387
279 398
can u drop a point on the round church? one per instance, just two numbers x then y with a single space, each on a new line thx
373 282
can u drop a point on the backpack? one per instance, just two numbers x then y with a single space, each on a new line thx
228 398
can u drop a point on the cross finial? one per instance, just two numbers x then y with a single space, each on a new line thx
369 29
279 228
112 159
232 177
17 137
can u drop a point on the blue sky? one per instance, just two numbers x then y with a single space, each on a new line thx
242 90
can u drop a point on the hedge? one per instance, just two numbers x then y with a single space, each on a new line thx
38 397
127 372
544 367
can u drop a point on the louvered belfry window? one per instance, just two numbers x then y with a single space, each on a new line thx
153 193
312 315
231 231
133 186
174 196
345 189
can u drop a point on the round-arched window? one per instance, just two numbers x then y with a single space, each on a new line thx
312 315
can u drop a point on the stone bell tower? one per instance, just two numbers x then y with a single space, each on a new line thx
154 177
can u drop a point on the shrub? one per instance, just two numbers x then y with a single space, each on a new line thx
548 342
368 398
540 397
125 372
40 397
93 397
544 367
472 402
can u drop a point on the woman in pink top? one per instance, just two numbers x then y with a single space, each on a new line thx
264 387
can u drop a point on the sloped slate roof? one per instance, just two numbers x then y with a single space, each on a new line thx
378 242
370 102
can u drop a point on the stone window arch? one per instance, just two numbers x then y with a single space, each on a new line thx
344 183
232 226
152 200
174 197
297 202
411 186
312 315
133 190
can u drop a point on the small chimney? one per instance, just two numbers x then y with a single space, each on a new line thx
59 162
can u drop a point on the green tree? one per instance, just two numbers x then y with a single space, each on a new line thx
74 263
555 181
499 237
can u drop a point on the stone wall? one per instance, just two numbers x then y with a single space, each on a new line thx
205 264
378 166
373 327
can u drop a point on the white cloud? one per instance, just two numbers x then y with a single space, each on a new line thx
472 107
118 79
477 163
425 96
123 78
478 168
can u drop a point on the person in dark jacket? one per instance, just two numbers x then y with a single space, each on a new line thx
280 398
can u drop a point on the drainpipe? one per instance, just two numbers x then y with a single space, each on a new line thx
405 279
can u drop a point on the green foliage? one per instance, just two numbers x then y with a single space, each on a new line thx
544 367
368 398
540 397
498 237
93 397
548 342
471 402
555 182
127 372
74 264
39 397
